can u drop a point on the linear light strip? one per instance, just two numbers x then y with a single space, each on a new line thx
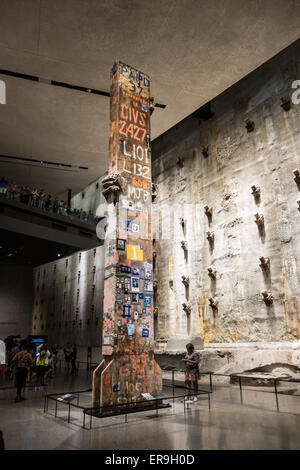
43 162
62 84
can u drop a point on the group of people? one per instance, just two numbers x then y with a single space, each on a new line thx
42 361
39 198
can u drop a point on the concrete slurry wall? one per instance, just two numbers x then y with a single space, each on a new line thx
214 163
91 199
68 300
16 297
243 332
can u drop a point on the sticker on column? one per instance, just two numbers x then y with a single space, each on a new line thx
130 329
141 296
135 298
116 388
144 311
148 273
136 315
145 332
138 206
135 271
148 286
147 300
135 284
126 269
108 341
134 252
131 227
121 244
127 204
126 310
128 225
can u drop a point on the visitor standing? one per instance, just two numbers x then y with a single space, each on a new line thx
41 199
192 372
67 352
23 361
73 359
12 191
2 360
42 362
3 186
54 356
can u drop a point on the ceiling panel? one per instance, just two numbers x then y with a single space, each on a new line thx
192 50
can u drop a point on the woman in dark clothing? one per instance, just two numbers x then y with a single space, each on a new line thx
73 359
48 203
192 372
67 352
23 361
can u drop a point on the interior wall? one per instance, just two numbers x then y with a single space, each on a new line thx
211 162
91 199
16 299
68 299
214 163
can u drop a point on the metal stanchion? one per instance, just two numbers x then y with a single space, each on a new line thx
276 394
55 408
173 371
69 413
241 392
210 381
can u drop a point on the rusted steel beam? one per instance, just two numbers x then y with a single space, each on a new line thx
129 368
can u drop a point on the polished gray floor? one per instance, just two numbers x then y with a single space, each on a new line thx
253 423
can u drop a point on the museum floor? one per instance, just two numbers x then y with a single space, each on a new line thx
230 424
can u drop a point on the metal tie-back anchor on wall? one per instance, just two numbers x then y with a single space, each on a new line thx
205 152
180 162
256 191
213 303
113 184
187 307
297 177
249 125
211 272
208 211
210 236
154 191
184 245
267 297
285 103
264 263
259 220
